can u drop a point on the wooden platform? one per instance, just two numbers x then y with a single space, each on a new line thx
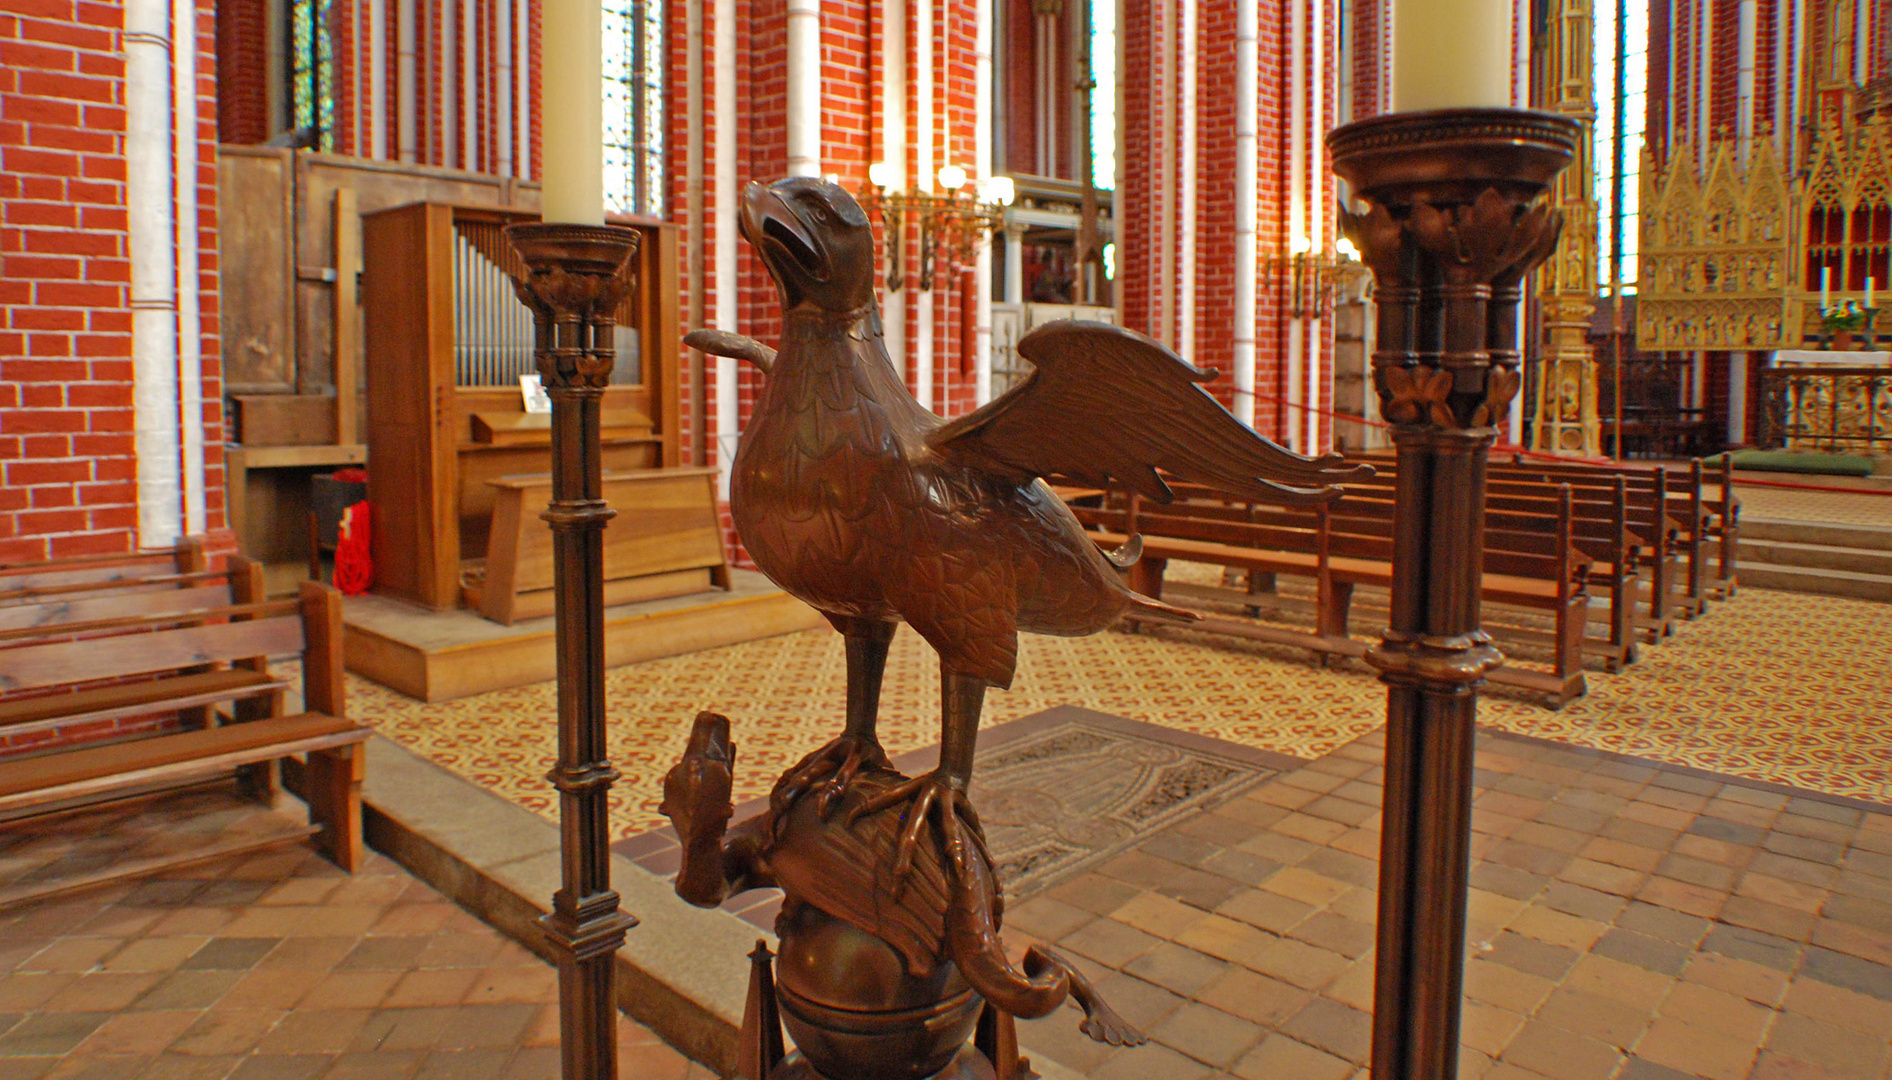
442 655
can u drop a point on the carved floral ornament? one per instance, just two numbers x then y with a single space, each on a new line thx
1491 240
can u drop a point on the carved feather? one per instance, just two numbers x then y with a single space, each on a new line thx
1107 405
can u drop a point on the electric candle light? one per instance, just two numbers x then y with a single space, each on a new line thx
1451 54
573 112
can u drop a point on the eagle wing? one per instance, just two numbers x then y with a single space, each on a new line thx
1107 404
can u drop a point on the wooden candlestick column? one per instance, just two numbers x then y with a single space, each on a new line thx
1456 208
578 275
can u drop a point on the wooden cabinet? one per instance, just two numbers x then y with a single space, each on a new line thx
444 345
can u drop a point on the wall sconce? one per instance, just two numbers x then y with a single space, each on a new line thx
952 219
1313 276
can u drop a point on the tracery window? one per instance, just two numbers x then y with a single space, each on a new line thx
311 72
1620 52
634 150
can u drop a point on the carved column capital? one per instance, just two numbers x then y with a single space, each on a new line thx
577 275
1456 215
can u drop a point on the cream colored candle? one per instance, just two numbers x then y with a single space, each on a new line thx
572 103
1451 54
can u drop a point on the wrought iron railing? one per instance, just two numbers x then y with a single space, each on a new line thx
1827 408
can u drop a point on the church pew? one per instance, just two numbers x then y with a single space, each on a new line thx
176 647
1709 523
97 572
1653 528
90 615
1339 550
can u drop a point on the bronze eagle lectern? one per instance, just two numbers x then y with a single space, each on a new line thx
854 498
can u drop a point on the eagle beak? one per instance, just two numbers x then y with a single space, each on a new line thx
772 225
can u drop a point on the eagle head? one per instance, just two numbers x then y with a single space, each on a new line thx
815 240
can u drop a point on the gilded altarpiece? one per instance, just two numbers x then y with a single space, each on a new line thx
1717 253
1565 419
1736 258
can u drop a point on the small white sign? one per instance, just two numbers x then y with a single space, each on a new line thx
532 393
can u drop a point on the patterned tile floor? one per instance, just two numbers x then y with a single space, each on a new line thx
1774 686
272 966
1626 922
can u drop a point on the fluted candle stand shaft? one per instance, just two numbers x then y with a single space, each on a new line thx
577 275
1455 216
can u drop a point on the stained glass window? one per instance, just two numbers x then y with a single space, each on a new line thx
1103 95
311 71
1621 55
634 180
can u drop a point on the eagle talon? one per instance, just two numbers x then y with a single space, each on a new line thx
924 794
838 764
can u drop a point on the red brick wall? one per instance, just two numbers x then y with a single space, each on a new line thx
1215 203
242 71
65 322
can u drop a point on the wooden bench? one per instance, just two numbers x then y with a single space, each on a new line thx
1707 524
1342 546
666 540
184 662
191 693
1651 529
123 571
1702 526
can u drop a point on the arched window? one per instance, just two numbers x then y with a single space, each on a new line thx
310 71
634 107
1620 52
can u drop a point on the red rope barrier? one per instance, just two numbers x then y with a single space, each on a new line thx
1540 455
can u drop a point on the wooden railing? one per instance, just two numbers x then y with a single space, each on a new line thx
1827 408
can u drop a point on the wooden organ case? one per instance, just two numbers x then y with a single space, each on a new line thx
447 432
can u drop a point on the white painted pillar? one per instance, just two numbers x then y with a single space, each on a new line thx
1675 101
1521 54
1119 227
1316 211
377 147
1247 198
449 69
522 78
1745 47
190 358
151 225
1162 14
406 85
1015 264
1862 42
923 165
469 88
982 172
1294 423
1704 57
804 88
893 148
1737 397
728 399
502 90
1799 77
1783 36
1186 181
